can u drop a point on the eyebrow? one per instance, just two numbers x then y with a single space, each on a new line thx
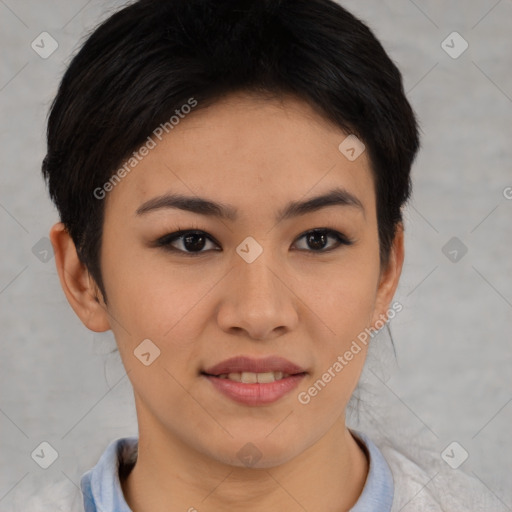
335 197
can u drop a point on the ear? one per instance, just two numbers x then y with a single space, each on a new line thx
78 285
389 277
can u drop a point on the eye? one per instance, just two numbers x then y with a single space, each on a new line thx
194 242
189 242
317 239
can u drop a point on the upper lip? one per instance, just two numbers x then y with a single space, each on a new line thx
240 364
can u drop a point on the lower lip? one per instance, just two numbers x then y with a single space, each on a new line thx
258 393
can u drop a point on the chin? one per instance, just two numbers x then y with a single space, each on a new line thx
257 454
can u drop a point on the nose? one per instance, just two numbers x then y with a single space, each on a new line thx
258 299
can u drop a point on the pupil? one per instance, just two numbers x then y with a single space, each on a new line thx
188 241
314 244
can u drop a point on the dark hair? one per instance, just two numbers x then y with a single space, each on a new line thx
148 59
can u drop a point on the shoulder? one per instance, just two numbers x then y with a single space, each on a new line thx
60 495
41 492
425 483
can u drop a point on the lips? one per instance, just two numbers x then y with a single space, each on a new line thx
254 382
242 364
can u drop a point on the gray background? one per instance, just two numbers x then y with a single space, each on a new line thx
61 383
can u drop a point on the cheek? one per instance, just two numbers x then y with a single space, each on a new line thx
344 304
169 305
342 349
343 297
151 296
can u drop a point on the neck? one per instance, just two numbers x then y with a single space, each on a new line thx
170 475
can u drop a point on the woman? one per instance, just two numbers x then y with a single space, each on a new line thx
230 177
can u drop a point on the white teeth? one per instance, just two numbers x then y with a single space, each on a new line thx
253 378
249 377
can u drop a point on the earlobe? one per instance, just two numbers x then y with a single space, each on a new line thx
78 285
390 277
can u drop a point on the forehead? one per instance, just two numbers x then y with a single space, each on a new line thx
247 149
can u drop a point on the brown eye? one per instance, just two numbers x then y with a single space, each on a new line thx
187 242
317 240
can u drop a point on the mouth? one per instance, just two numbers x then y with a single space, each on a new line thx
253 378
250 370
254 381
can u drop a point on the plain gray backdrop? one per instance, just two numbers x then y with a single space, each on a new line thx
451 381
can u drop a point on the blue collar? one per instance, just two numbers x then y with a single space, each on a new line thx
379 487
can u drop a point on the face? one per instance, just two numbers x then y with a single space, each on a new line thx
254 282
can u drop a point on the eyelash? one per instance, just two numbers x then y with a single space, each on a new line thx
166 240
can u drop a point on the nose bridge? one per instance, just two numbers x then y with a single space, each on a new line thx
258 301
257 279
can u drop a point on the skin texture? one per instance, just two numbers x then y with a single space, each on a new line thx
292 301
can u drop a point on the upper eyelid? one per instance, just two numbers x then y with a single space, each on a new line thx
176 235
